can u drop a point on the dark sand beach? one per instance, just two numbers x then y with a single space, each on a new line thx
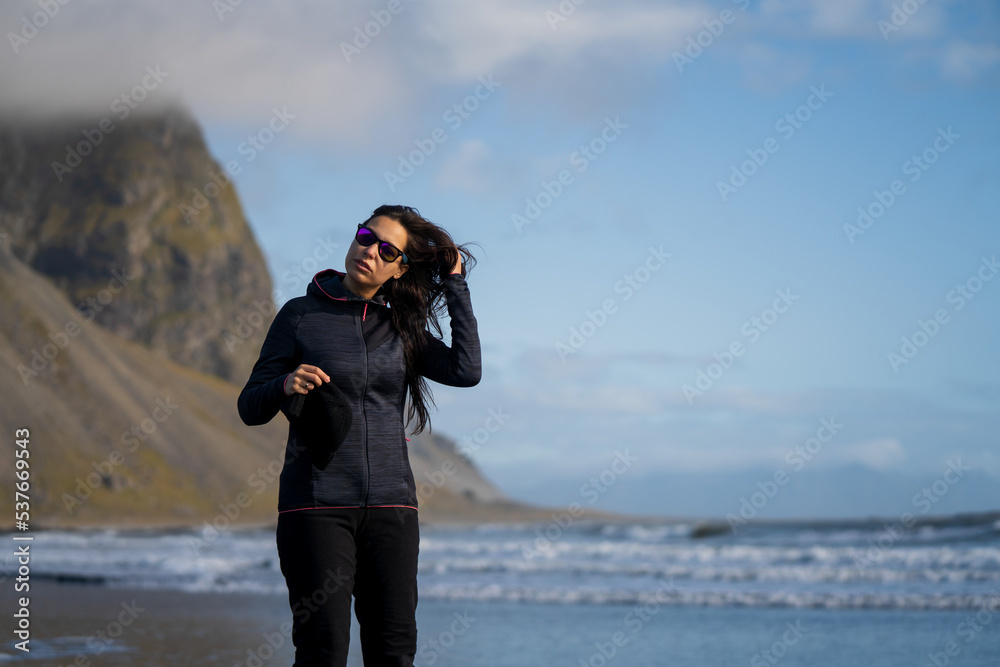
73 623
180 628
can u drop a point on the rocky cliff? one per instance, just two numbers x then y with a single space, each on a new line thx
128 219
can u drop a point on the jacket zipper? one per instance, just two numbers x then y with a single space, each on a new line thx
364 418
364 390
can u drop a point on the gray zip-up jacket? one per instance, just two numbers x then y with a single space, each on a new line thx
353 340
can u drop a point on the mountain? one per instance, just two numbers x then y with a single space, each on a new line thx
113 219
117 433
112 351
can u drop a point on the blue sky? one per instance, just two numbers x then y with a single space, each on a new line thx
833 105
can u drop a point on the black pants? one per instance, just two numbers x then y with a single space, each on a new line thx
327 555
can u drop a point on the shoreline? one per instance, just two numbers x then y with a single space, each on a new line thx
500 514
505 515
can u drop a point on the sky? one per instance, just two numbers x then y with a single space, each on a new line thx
701 228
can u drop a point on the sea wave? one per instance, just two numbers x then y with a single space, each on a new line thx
945 563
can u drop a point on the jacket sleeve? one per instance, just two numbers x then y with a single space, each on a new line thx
461 364
264 392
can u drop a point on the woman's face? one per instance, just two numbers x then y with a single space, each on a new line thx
365 267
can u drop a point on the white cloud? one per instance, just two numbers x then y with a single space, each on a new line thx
844 17
291 54
476 38
260 56
964 62
848 19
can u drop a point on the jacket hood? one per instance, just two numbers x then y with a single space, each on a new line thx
327 284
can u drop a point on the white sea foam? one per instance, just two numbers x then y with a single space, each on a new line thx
948 565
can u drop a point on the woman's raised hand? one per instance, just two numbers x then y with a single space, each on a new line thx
457 268
304 379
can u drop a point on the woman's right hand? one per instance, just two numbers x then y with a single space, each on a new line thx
303 379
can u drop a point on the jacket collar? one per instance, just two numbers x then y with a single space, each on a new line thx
327 284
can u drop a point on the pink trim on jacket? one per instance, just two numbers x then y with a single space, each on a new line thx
343 507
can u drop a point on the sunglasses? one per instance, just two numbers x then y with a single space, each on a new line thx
386 250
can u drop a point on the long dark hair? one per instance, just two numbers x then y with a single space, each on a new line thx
417 297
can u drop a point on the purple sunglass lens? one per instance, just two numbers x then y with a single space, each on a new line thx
366 237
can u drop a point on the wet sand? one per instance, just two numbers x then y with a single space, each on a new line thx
171 628
80 624
87 625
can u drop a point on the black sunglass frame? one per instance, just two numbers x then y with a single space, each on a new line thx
380 243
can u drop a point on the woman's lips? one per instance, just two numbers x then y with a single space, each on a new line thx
362 265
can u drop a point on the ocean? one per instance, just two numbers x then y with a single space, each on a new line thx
588 593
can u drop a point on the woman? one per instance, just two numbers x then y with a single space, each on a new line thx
349 525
